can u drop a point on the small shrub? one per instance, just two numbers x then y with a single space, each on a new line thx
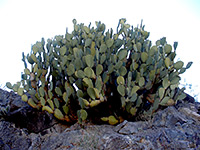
101 76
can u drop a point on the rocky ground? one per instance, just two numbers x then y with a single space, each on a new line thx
23 128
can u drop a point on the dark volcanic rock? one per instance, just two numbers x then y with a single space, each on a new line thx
23 115
176 127
12 137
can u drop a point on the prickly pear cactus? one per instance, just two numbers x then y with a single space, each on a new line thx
93 74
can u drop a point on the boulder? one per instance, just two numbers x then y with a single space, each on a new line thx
176 127
23 115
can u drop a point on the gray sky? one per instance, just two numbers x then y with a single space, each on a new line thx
23 22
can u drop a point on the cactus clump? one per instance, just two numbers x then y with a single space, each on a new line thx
91 74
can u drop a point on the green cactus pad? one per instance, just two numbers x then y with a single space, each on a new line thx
9 85
167 62
88 42
133 111
104 118
121 90
42 101
58 91
89 72
24 98
32 103
167 48
161 92
15 87
65 109
34 58
63 50
79 93
48 109
94 103
91 92
112 120
139 46
178 65
50 94
181 96
65 97
118 65
27 71
164 101
144 56
110 68
189 65
98 83
58 114
83 114
134 97
103 48
102 58
141 81
50 102
122 71
70 70
166 83
109 42
122 54
120 80
88 82
134 90
86 29
182 70
41 91
105 77
78 64
56 102
175 80
99 69
89 59
96 93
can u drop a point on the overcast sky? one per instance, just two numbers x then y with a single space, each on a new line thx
23 22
